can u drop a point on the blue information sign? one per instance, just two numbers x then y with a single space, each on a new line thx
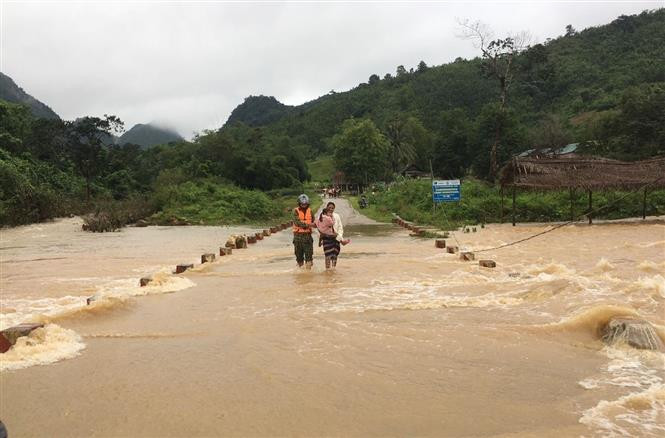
446 190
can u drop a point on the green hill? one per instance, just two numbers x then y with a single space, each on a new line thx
568 82
11 92
148 135
258 111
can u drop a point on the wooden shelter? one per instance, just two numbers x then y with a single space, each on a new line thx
586 173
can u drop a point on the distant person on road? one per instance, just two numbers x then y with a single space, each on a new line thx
303 222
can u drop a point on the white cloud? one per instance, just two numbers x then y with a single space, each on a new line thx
190 64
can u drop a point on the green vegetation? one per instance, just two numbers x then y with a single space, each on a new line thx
596 86
207 202
361 151
321 169
49 168
481 203
602 87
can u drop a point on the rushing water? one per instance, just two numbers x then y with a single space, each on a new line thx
402 339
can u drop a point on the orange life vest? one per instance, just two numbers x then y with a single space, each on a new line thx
304 216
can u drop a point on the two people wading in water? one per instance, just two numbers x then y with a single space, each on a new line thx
330 229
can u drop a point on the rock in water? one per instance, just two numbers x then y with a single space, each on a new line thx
9 336
637 333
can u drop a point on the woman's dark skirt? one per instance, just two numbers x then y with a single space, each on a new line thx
331 247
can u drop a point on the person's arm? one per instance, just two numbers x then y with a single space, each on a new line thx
298 222
339 227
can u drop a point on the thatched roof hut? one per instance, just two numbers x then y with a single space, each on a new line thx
589 173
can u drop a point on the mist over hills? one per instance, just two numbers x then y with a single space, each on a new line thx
144 135
147 135
11 92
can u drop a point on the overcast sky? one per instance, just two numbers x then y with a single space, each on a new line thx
189 63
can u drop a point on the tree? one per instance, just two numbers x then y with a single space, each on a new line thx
570 30
401 71
492 119
422 67
635 129
15 122
498 56
552 132
86 139
361 151
451 154
409 140
374 79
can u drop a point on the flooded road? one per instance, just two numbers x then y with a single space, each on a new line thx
402 339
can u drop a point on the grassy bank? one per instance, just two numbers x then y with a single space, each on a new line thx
481 203
321 169
207 202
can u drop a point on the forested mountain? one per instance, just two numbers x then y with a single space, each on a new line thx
148 135
570 88
11 92
603 87
258 111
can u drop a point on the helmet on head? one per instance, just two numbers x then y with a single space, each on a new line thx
303 199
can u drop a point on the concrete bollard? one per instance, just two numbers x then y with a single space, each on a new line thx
144 281
487 263
251 239
439 243
9 336
225 251
474 229
467 256
182 268
273 230
259 236
241 242
207 258
266 233
452 249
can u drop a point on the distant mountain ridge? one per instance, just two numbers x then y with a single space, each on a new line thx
147 135
11 92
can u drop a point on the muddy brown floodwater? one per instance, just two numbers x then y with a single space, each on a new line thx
402 339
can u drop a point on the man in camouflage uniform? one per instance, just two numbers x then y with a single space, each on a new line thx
303 222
